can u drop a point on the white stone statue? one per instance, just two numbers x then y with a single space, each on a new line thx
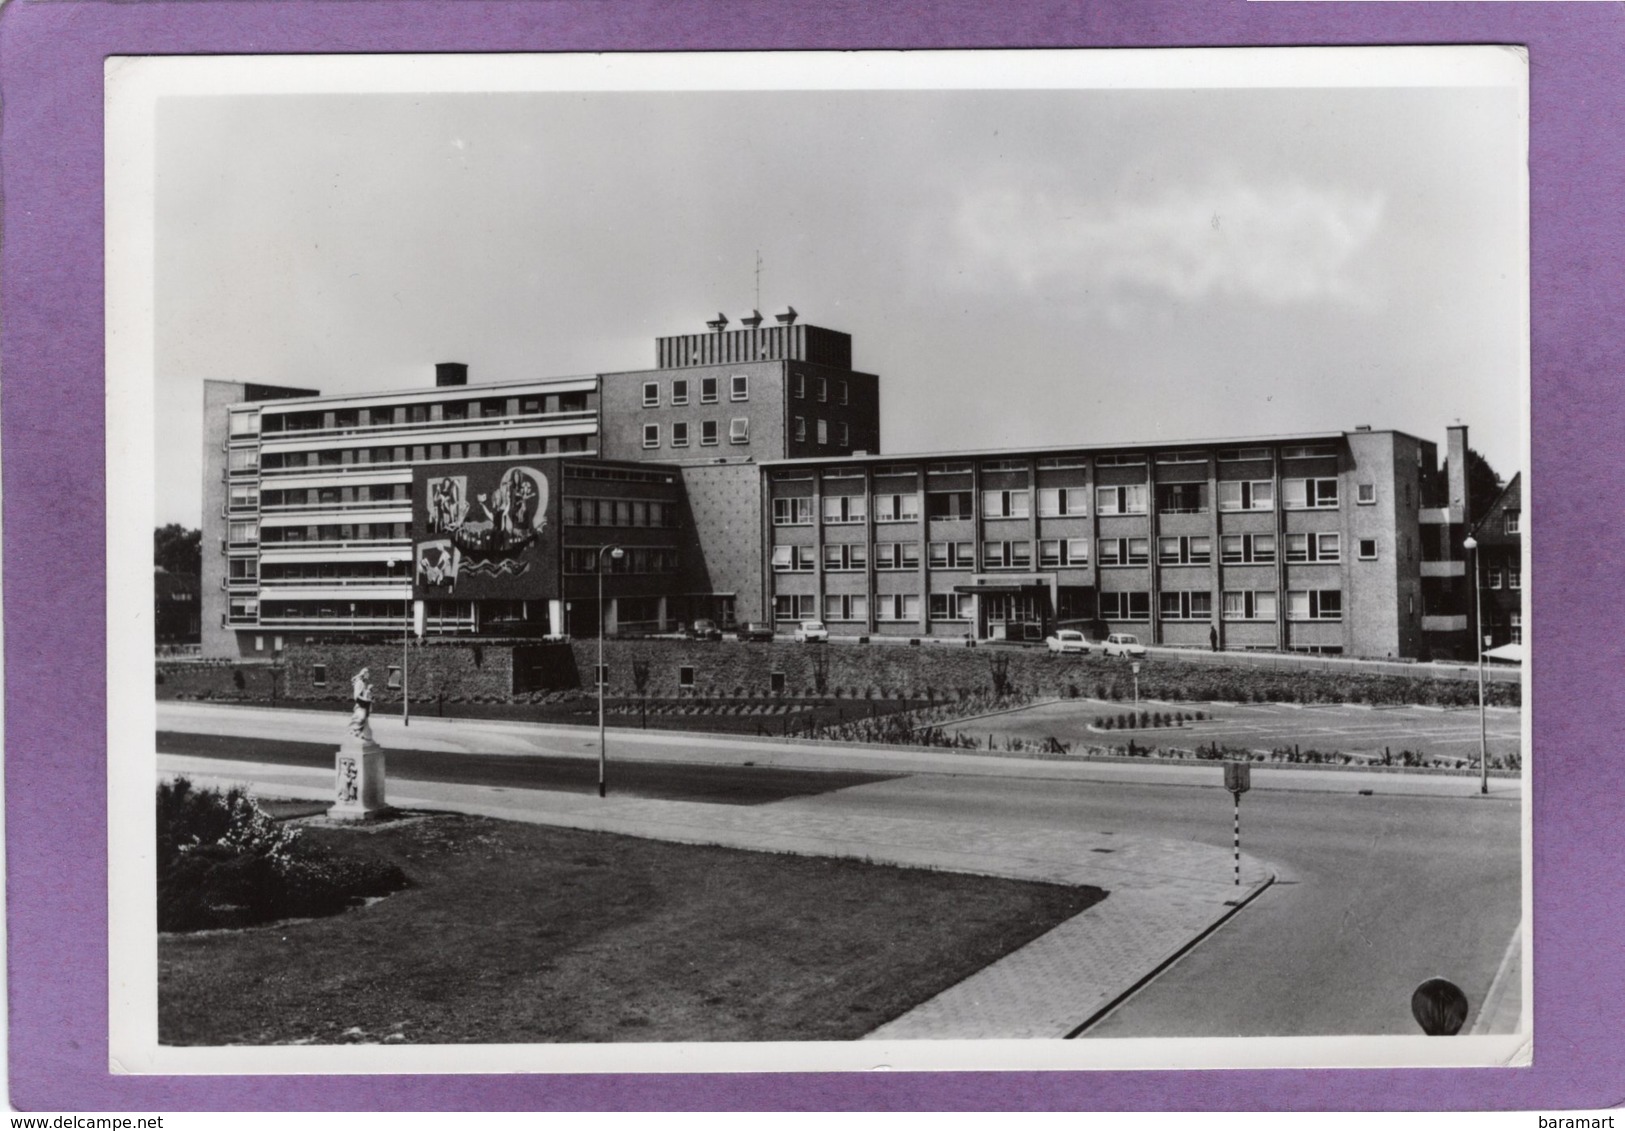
361 690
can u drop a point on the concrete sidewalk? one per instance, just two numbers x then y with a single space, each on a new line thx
1163 895
486 736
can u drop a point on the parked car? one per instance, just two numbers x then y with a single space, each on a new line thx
1124 645
705 630
812 632
754 630
1068 640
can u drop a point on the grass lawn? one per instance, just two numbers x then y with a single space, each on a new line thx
524 933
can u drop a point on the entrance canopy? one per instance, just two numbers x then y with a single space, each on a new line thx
1511 653
1002 587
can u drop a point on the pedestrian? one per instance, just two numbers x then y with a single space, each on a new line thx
1213 637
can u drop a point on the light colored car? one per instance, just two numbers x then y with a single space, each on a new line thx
812 632
1067 640
1124 645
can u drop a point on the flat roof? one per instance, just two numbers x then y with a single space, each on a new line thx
1124 445
430 392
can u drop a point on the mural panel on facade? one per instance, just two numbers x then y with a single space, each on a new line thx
485 530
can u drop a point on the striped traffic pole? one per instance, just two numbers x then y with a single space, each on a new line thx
1237 796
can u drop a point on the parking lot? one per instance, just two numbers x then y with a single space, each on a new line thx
1348 728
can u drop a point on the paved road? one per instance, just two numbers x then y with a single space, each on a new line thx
1377 892
1375 895
1452 734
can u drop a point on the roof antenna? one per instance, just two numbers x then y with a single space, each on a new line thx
758 305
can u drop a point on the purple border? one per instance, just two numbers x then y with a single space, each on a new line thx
52 350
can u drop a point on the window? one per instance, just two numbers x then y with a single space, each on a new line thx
1063 552
651 394
842 509
1309 451
897 508
1514 577
1007 555
1492 578
846 434
950 468
1235 455
651 435
244 532
1513 521
1368 549
259 641
679 434
1063 502
1515 623
799 385
708 390
952 555
739 430
318 675
1129 499
1125 551
1314 604
739 388
1186 604
801 429
1249 604
1058 462
1313 548
1125 606
897 555
823 432
1240 549
1182 498
1120 460
1246 495
792 558
708 433
823 389
1366 494
1181 457
846 606
1192 550
679 391
846 393
245 423
1308 494
793 511
1004 504
948 504
951 606
843 558
793 606
897 606
243 459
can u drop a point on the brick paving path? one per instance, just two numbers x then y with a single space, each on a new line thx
1163 894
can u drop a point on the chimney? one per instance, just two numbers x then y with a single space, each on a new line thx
1456 453
450 373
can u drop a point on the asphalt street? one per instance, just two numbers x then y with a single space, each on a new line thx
1376 892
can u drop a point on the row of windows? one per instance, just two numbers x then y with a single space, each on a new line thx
1237 605
247 459
1236 549
1494 577
331 532
843 432
738 390
485 408
1172 498
619 512
633 560
331 496
738 433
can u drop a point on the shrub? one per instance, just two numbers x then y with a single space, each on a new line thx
224 862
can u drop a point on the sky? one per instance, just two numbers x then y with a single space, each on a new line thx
1019 266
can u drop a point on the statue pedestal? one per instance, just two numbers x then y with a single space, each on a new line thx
358 781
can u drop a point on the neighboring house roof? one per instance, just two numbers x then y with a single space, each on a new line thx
1512 493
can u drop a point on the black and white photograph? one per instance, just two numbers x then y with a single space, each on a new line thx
1000 559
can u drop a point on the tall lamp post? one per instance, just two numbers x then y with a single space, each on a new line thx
1471 546
406 639
615 553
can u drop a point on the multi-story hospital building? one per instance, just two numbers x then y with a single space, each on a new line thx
741 480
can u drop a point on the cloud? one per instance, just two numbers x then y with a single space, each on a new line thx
1283 245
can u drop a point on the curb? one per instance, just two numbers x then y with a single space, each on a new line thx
1189 946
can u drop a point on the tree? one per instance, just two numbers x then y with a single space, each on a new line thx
177 549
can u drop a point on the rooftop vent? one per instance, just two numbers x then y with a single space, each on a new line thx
786 316
1362 427
752 320
450 373
719 323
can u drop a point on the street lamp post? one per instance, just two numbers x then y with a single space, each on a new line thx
615 553
1136 666
406 639
1471 546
